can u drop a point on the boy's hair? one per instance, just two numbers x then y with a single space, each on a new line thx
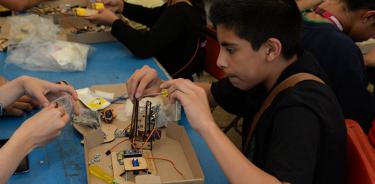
354 5
258 20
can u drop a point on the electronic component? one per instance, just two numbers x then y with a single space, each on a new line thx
126 154
141 131
135 162
164 93
5 11
97 5
43 9
122 133
84 12
132 153
107 116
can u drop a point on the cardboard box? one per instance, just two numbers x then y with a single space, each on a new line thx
174 145
71 2
5 28
71 23
4 34
53 8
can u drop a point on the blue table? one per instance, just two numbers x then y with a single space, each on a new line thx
62 161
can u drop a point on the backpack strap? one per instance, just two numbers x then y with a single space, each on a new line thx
287 83
190 60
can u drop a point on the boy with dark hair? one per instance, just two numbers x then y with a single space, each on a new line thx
329 32
298 134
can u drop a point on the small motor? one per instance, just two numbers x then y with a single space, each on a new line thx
107 116
4 12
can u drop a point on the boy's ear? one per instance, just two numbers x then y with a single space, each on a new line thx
368 17
272 49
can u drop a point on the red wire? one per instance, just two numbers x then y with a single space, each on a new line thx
156 158
121 141
144 143
170 161
118 144
157 132
148 137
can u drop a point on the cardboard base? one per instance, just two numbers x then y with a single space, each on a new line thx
122 177
4 34
174 145
71 23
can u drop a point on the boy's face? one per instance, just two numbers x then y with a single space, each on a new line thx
362 32
244 66
364 26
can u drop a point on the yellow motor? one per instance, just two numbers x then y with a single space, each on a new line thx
4 11
97 5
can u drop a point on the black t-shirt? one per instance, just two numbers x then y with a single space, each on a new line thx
342 61
172 38
301 137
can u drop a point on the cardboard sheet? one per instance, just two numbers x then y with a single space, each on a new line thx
174 145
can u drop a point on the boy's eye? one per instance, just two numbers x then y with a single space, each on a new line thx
230 50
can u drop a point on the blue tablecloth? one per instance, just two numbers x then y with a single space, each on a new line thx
62 161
